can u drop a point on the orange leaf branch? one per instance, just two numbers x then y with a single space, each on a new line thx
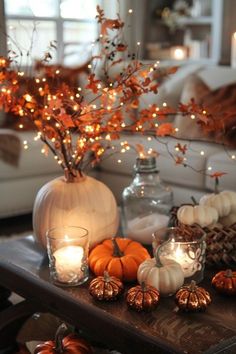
60 111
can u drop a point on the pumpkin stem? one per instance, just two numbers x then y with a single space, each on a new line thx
60 333
116 249
229 273
106 276
194 200
216 185
157 256
192 286
143 286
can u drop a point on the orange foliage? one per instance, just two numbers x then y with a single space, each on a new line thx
165 129
99 113
181 148
217 174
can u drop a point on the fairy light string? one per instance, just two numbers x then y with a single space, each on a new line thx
78 125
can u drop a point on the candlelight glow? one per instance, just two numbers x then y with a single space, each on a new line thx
178 53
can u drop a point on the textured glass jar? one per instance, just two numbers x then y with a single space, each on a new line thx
68 249
146 202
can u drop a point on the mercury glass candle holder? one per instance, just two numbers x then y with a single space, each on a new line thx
190 254
67 249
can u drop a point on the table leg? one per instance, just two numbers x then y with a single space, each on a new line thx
11 320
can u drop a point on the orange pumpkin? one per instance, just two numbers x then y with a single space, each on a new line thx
71 344
225 282
120 257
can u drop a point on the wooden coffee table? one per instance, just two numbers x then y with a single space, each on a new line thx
24 270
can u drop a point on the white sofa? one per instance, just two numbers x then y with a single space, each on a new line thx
19 185
184 181
202 156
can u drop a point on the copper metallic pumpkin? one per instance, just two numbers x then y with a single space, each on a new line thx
143 298
71 344
106 288
120 257
225 282
192 298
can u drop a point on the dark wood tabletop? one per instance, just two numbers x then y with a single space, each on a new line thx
24 270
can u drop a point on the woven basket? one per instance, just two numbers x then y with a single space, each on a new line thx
221 246
221 243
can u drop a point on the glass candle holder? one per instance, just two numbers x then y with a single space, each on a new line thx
67 249
189 254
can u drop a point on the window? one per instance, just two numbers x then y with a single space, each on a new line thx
32 24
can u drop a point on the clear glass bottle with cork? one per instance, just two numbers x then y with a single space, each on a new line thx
146 202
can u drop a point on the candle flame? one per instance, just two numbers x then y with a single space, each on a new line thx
179 253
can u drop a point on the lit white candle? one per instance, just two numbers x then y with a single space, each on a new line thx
141 228
68 262
233 50
187 264
187 261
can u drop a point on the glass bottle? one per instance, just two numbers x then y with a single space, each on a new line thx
146 202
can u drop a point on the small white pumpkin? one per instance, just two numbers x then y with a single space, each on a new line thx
165 275
198 214
228 220
224 202
232 196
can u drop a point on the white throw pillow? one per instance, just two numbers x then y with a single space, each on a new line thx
217 76
175 83
170 90
151 98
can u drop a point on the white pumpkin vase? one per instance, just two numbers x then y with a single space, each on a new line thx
81 201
